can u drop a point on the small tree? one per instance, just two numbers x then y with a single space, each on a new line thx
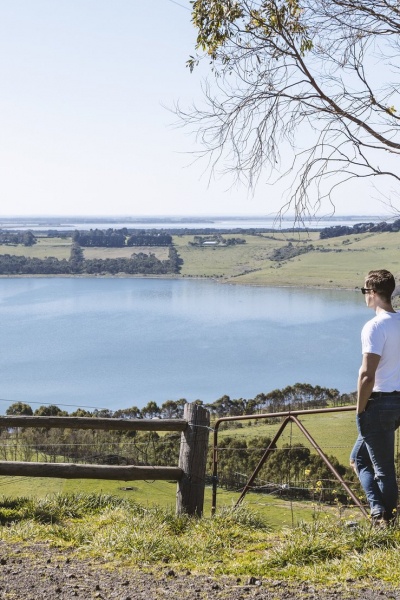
19 408
50 411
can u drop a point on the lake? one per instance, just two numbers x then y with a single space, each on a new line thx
114 343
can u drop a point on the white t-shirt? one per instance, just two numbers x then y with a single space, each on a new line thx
381 335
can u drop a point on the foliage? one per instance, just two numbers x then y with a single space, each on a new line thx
19 408
339 230
117 238
291 471
18 265
290 251
140 263
26 238
297 396
110 238
50 410
149 239
316 80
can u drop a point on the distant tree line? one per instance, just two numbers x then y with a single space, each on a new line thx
149 239
10 264
138 264
171 409
19 237
109 238
339 230
299 396
118 238
294 397
143 264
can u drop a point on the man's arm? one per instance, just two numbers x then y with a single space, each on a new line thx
366 379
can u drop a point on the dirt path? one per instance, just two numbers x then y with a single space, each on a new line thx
39 572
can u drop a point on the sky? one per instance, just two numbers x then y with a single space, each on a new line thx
86 119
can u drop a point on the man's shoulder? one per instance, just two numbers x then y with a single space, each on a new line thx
371 324
386 317
382 320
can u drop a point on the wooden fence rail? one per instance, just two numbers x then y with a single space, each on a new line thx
94 423
190 473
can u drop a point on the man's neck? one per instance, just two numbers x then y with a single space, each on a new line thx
384 307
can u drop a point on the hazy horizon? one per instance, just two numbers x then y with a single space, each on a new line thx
247 217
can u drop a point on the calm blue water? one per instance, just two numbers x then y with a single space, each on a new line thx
115 343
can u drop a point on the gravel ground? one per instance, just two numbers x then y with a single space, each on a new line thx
39 572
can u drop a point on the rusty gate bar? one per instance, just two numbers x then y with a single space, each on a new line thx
290 416
319 451
264 457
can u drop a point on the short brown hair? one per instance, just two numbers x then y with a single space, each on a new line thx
382 282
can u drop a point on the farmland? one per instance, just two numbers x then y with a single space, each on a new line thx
336 262
264 259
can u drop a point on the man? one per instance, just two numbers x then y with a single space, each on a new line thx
378 399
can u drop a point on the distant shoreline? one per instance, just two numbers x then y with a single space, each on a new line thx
172 276
287 223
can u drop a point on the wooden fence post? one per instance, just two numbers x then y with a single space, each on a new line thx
192 460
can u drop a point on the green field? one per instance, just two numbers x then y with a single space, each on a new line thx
334 263
160 252
44 248
335 433
278 511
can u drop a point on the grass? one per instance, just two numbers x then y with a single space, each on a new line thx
334 263
45 247
160 252
226 262
278 511
324 551
341 427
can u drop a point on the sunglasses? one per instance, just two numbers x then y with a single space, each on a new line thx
366 290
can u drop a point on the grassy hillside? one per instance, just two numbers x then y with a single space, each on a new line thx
335 433
336 262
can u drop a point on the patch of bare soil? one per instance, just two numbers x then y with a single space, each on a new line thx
39 572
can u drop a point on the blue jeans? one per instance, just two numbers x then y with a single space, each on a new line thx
373 454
